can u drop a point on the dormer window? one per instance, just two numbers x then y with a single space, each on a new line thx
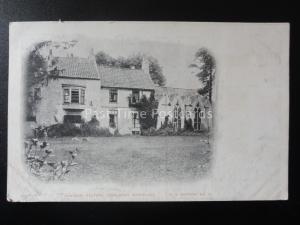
74 95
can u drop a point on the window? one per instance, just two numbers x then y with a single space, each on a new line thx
113 95
74 95
135 120
135 96
112 122
72 119
37 94
112 119
197 119
82 97
66 95
177 117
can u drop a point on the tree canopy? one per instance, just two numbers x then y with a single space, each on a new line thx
205 66
146 109
39 69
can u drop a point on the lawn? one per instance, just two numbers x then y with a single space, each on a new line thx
135 159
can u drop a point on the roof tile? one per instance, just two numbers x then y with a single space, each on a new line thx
75 67
125 78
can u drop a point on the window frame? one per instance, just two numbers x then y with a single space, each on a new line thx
68 98
73 90
82 96
112 114
113 95
72 118
135 94
177 116
135 120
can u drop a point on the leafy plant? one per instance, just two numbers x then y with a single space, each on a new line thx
38 158
39 70
146 109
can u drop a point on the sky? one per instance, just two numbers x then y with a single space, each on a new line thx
172 44
235 46
174 58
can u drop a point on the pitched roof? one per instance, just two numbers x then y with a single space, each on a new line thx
75 67
125 78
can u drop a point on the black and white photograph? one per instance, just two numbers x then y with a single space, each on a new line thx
147 111
151 132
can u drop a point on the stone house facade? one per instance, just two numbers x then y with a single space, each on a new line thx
84 90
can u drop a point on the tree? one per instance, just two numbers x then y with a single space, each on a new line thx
156 72
205 65
146 108
40 69
103 58
155 69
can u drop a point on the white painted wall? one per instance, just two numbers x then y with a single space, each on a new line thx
97 103
51 105
124 118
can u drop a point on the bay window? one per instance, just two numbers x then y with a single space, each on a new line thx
67 95
74 95
82 96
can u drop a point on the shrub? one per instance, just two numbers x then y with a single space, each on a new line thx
64 129
146 107
166 131
90 128
169 130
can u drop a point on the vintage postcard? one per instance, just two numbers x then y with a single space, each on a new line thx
148 111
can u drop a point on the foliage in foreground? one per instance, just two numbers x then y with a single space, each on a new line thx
42 163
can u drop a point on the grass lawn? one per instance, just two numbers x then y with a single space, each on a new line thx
135 159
